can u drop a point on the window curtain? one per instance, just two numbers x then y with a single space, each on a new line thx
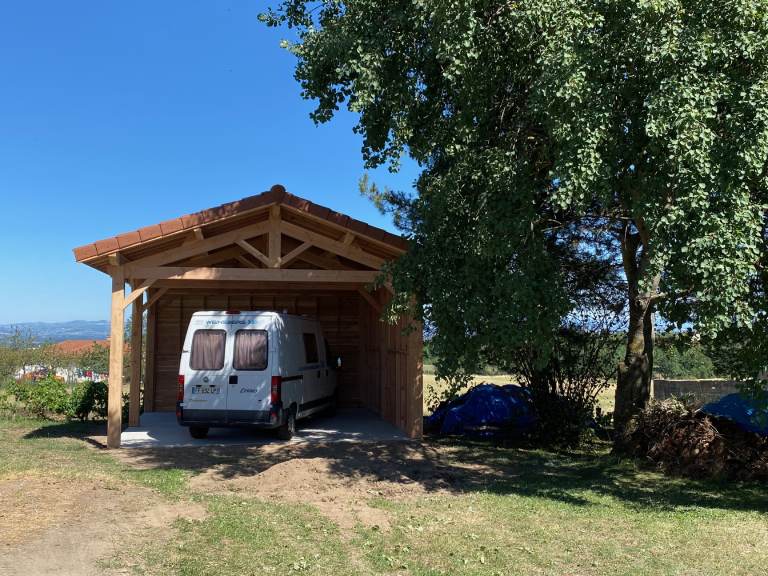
208 350
251 350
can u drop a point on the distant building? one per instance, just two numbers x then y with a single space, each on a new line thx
73 374
79 346
68 373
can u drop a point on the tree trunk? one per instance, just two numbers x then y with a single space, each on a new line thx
633 385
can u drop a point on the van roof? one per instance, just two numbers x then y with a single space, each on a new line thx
250 313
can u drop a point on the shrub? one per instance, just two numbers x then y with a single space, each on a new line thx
563 420
47 397
19 389
88 398
51 397
7 399
565 387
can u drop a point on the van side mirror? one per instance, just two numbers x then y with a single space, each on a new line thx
338 362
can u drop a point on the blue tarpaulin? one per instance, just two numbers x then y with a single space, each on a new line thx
742 411
486 410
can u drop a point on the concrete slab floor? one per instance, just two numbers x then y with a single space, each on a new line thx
160 429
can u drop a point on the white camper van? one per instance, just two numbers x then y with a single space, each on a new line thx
260 369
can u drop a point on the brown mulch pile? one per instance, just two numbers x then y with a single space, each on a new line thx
685 442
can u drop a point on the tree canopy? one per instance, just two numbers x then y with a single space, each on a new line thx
561 142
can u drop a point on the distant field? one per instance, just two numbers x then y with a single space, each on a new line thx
432 387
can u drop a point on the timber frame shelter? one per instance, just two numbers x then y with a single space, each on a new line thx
274 251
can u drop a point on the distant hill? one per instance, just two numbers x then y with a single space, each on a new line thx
58 331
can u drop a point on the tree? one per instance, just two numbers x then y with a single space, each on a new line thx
21 351
633 131
95 359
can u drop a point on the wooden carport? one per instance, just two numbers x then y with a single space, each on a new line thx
274 251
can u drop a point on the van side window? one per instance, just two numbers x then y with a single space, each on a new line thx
328 356
208 350
251 350
310 348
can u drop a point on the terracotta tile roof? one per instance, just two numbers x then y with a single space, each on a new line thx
276 194
79 346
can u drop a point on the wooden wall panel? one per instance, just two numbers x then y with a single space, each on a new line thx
338 313
382 366
168 351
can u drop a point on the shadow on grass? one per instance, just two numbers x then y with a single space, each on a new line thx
93 433
448 466
466 467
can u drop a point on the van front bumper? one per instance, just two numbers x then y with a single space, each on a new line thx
225 418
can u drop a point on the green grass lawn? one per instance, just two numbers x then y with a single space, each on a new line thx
506 511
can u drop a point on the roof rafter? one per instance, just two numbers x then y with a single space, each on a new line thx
295 253
197 248
347 251
255 252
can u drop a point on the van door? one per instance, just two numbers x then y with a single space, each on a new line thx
329 372
311 372
205 385
248 399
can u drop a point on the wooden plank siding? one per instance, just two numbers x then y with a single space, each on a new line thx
381 365
338 313
392 364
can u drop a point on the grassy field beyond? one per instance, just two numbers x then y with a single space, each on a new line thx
429 509
433 388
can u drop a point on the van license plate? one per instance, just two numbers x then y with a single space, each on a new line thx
204 389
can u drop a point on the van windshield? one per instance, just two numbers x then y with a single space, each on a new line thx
251 350
208 350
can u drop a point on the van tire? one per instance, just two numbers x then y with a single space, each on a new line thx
199 432
288 428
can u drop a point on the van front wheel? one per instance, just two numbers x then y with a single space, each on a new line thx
199 432
288 427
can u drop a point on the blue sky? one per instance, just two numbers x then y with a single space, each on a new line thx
115 115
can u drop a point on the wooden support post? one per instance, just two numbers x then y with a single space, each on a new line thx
387 409
149 365
135 389
116 352
415 384
275 236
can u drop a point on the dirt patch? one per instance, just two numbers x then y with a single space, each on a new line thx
343 499
64 527
29 505
343 481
